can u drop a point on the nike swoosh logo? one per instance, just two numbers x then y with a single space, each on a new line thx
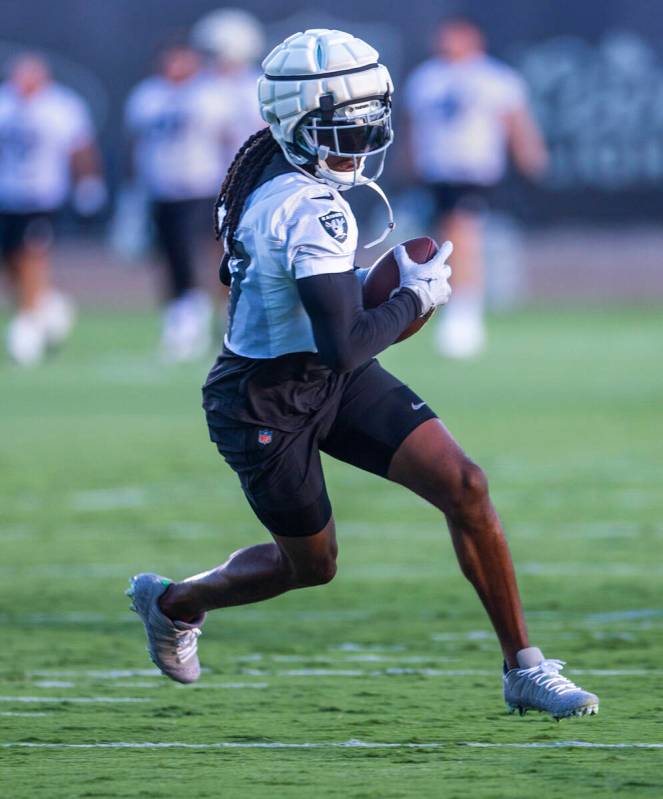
417 406
324 197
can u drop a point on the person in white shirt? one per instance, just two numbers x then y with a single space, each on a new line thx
466 110
46 139
176 119
233 41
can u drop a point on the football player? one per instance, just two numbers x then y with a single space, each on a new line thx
465 111
176 121
46 138
298 375
233 40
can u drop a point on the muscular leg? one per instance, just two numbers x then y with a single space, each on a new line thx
256 573
29 273
430 463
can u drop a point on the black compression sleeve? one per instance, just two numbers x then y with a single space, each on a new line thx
345 334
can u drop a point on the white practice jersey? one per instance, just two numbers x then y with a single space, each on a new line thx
178 130
292 227
38 136
457 112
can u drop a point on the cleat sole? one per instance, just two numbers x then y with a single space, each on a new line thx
588 710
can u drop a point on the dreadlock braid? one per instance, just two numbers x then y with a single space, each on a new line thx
241 178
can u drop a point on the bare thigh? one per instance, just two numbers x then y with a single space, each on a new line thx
432 464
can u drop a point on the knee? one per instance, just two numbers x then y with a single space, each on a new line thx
319 571
470 490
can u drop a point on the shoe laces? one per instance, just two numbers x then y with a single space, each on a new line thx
186 643
546 675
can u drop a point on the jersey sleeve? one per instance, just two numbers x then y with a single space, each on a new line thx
513 91
322 238
346 334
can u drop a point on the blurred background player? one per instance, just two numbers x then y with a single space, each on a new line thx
177 119
46 138
233 42
466 110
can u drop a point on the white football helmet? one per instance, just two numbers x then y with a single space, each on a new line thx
324 93
231 34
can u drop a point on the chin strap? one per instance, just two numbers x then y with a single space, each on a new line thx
390 214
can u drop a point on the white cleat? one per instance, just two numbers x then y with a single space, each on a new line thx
172 645
57 315
538 685
186 333
460 336
26 339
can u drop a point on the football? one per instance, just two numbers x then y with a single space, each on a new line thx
384 277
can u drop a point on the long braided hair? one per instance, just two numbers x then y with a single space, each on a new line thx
241 178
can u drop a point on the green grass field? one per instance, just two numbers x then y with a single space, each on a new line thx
106 470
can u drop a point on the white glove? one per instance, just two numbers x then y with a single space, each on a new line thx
429 281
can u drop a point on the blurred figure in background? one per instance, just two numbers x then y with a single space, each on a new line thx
465 111
46 139
234 42
177 121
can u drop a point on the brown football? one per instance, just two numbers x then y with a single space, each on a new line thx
384 277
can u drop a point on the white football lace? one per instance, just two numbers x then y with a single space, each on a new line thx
546 675
186 643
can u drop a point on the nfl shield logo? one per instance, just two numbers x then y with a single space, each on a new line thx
264 437
335 224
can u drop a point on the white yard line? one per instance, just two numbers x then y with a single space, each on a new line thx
414 672
391 672
54 684
561 745
8 714
98 674
352 744
124 675
322 673
237 686
79 699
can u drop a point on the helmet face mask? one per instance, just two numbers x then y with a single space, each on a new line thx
356 130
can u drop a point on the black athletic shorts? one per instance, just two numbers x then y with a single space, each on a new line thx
471 197
364 419
18 230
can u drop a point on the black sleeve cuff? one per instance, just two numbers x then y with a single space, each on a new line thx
415 302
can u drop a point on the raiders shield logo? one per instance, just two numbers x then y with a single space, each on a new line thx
335 224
